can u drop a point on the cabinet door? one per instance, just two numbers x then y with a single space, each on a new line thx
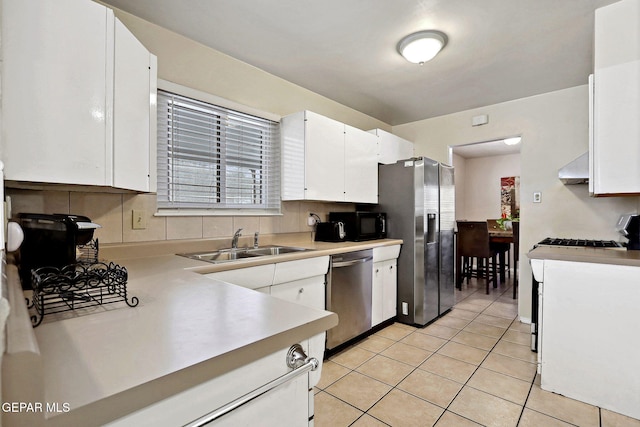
311 293
55 91
392 148
324 158
377 294
389 290
616 100
616 145
361 166
384 295
134 80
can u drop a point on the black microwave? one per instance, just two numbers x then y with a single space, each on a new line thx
361 225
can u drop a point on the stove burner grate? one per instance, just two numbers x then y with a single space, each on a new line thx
554 241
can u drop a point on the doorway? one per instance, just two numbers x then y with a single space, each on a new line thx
487 178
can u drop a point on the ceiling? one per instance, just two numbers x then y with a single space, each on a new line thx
498 50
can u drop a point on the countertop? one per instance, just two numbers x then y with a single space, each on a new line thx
187 328
592 255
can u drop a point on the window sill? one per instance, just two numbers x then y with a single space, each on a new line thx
217 212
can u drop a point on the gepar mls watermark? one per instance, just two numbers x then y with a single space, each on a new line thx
35 407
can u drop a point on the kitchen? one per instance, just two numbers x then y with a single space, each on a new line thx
553 122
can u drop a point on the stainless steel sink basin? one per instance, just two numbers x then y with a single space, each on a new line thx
228 255
275 250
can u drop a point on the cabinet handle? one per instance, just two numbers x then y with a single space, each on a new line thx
377 270
391 267
301 290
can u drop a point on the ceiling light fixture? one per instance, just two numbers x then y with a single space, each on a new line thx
512 141
422 46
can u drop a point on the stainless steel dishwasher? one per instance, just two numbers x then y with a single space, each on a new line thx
348 288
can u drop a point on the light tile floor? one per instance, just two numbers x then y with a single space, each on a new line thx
471 367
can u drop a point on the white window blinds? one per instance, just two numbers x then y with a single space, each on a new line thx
211 157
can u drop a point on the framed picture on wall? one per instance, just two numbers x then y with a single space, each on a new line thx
510 197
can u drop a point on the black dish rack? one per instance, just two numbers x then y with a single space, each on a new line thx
76 286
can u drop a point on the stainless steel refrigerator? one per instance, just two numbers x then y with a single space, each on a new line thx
418 196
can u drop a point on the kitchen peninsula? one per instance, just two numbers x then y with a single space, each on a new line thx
588 325
188 331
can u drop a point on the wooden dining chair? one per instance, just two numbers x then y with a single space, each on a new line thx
473 242
516 255
501 248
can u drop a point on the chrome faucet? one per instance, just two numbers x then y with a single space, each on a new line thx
255 240
236 236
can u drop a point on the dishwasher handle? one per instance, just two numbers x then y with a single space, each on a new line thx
351 262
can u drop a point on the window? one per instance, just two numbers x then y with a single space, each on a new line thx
211 157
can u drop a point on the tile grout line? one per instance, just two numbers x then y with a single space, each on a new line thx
415 329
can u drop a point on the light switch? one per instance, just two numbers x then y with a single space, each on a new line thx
139 220
537 197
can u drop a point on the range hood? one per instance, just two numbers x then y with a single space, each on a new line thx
576 171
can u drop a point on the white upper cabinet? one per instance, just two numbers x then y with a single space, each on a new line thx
615 128
392 148
134 113
361 166
77 97
324 159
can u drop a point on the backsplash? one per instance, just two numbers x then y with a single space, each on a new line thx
115 213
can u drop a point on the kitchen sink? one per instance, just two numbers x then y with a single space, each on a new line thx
275 250
228 255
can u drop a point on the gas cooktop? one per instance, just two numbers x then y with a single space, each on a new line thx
554 241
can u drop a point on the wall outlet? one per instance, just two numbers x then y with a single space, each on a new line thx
139 220
405 308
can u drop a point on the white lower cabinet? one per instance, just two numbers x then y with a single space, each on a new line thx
301 281
287 404
384 295
257 277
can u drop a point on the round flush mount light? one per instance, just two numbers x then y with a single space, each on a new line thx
422 46
512 141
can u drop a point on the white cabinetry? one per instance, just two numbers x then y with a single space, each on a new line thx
392 148
78 97
256 277
585 352
385 283
615 139
289 401
301 281
324 159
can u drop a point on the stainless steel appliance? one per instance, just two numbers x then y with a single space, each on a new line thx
348 294
332 231
418 196
362 225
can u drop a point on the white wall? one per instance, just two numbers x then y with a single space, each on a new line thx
481 184
554 129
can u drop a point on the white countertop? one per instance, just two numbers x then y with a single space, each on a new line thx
582 254
187 328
